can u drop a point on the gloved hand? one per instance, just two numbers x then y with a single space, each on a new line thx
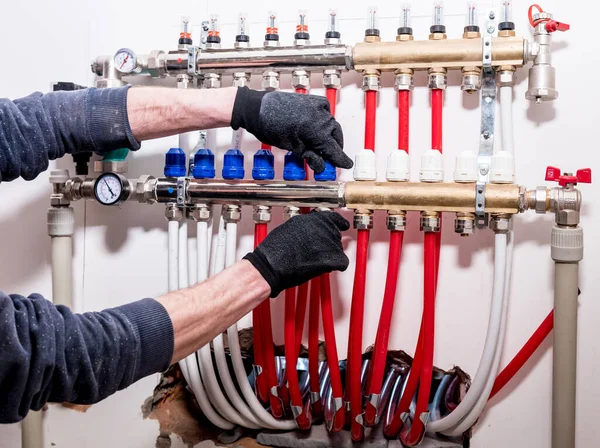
304 247
299 123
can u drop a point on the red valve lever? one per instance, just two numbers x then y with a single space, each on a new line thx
553 25
583 176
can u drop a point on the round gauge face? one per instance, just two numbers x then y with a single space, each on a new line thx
108 189
125 60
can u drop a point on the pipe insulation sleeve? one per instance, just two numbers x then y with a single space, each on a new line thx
246 414
486 362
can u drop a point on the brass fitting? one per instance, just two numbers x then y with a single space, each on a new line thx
201 213
173 213
363 220
370 81
372 39
396 220
507 33
290 212
438 79
438 36
500 223
471 35
262 214
464 224
430 222
404 80
404 37
232 213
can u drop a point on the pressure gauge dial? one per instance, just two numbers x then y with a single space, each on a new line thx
111 189
125 61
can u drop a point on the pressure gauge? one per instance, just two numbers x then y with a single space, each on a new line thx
125 61
111 189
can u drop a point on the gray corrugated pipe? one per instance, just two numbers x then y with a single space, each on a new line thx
567 252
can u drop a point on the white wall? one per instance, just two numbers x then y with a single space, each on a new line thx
113 245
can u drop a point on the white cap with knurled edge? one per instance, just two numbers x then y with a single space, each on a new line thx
566 244
61 221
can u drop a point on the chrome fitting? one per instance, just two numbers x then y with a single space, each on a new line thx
212 81
332 79
430 222
213 46
437 81
301 79
565 199
370 82
241 79
363 221
567 218
72 189
396 221
505 78
232 213
332 41
156 64
470 82
271 43
58 179
270 81
201 213
261 214
144 189
173 213
241 45
290 212
464 224
500 223
404 81
183 81
540 200
301 42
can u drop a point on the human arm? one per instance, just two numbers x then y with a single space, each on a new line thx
43 127
48 353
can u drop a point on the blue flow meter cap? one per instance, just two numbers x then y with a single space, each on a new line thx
204 164
328 174
175 163
293 167
264 165
233 164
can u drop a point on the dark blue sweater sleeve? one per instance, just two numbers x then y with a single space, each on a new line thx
43 127
49 354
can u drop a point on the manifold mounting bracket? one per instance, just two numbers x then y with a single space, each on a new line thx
486 132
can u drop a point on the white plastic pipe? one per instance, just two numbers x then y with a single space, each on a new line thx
219 348
183 253
472 417
173 250
506 119
62 270
491 343
206 363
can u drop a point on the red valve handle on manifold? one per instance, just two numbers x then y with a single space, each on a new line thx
551 25
583 176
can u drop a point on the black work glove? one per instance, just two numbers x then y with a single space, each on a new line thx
304 247
299 123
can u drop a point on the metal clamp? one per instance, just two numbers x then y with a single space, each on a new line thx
181 191
192 58
486 135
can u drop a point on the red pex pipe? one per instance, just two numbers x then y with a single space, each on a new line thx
332 97
353 381
313 344
377 367
269 369
524 354
417 430
370 118
437 98
301 91
291 358
267 147
403 119
335 377
262 388
301 302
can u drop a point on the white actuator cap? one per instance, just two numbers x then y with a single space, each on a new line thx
466 167
502 169
432 166
364 165
398 167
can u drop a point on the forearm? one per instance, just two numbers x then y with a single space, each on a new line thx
203 311
159 111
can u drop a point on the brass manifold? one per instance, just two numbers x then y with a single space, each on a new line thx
432 197
447 53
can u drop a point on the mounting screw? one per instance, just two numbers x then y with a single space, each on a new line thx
491 29
483 172
492 15
486 134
